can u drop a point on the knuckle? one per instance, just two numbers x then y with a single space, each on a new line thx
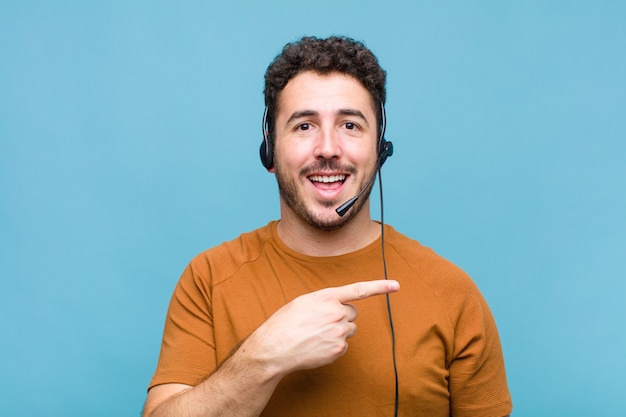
335 315
351 330
360 291
339 349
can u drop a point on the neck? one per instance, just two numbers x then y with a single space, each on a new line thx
300 236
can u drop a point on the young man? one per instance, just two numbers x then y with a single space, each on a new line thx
266 324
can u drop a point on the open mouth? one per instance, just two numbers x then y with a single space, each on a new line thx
327 179
328 183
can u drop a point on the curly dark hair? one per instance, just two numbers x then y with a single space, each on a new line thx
323 56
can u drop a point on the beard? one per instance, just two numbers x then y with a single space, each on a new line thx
321 220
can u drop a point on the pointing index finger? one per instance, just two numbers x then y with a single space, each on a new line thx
364 289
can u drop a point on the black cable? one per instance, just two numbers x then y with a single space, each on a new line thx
393 333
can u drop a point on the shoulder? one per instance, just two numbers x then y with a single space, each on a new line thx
220 262
423 270
430 267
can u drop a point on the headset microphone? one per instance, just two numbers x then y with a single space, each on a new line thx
386 151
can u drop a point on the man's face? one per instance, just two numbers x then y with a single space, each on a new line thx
325 147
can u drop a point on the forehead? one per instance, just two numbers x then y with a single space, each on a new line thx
323 92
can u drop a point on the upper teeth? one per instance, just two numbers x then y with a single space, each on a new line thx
330 178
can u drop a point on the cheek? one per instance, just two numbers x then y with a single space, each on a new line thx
360 154
292 155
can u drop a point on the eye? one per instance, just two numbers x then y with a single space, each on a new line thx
303 126
350 126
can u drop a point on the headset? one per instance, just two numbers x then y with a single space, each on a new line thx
385 150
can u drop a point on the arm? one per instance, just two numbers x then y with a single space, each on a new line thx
309 332
237 388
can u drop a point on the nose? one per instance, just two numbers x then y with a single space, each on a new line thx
327 144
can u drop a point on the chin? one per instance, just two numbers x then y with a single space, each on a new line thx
327 218
327 226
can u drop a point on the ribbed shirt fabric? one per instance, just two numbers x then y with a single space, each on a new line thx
449 356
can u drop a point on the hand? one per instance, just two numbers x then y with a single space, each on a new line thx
312 330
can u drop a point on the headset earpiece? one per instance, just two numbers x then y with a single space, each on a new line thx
385 148
266 152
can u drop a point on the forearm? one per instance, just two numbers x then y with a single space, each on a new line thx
211 399
240 387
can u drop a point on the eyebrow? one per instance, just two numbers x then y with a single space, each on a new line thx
301 114
340 112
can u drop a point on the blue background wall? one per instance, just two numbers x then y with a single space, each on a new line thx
129 134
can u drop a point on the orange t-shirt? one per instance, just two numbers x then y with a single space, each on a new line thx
449 357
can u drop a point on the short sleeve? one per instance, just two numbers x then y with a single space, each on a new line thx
478 386
188 347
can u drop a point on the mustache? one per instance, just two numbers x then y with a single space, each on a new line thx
330 165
